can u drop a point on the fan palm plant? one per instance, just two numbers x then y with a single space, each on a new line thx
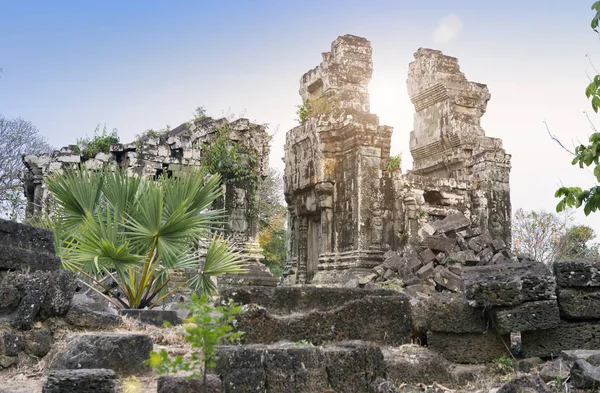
137 231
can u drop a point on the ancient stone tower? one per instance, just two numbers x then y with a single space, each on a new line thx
347 207
334 163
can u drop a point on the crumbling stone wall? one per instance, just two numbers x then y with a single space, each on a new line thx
169 153
346 206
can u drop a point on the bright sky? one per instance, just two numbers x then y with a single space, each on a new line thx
134 65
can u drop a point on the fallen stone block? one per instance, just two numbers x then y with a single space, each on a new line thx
81 381
465 257
153 317
525 383
83 317
453 222
415 364
579 304
240 368
468 347
527 365
508 284
426 271
474 245
557 368
450 312
470 232
444 277
124 353
181 384
538 315
592 356
26 236
584 375
439 243
59 294
582 273
499 259
498 245
427 256
394 263
13 258
568 335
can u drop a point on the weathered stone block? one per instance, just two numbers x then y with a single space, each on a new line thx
537 315
153 317
287 300
86 318
25 236
427 256
384 320
38 342
414 364
353 366
181 384
426 271
468 347
508 284
591 356
584 375
81 381
465 257
13 258
453 222
568 335
444 277
59 295
439 243
579 304
125 353
295 368
582 273
450 312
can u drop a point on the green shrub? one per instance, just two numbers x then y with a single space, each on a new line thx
100 143
207 327
394 162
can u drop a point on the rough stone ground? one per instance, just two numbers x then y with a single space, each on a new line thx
29 377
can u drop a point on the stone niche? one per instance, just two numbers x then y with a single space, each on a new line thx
346 207
169 153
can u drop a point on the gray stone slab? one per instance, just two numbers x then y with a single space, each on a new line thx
439 243
508 284
13 258
581 273
579 304
81 381
453 222
125 353
537 315
450 312
25 236
568 335
469 347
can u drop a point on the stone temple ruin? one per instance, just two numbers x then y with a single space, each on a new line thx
356 224
347 206
156 154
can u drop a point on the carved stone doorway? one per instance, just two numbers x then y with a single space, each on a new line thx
313 246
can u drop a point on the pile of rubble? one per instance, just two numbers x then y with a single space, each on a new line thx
445 248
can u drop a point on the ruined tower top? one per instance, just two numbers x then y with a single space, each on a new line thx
448 111
343 75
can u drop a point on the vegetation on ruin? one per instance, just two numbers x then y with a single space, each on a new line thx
99 143
586 155
207 327
313 107
137 232
394 162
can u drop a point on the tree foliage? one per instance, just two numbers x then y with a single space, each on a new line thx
137 231
548 237
586 155
17 138
272 217
99 143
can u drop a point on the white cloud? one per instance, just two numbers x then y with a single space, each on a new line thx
449 27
